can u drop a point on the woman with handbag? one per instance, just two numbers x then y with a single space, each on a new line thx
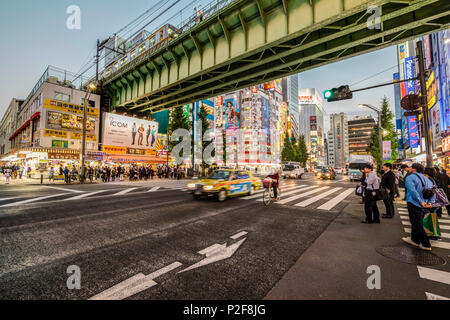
371 187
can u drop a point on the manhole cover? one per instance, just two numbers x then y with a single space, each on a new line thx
411 256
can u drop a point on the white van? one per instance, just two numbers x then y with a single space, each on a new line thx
292 170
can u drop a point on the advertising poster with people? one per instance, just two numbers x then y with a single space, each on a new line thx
232 112
129 132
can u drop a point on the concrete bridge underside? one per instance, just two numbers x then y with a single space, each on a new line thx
252 41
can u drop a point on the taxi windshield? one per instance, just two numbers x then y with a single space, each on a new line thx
220 175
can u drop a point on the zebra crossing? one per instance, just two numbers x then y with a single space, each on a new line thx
426 273
311 196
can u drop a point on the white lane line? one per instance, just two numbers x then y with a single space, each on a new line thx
5 199
443 234
302 195
153 189
440 244
64 189
442 227
85 195
434 275
32 200
432 296
317 198
262 190
238 235
333 202
120 193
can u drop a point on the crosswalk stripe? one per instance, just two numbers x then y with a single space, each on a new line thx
120 193
432 296
153 189
64 189
443 234
317 198
5 199
302 195
441 220
296 190
442 227
440 244
258 193
333 202
13 204
434 275
81 196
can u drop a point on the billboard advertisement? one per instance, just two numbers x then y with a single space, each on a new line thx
387 150
265 113
413 132
209 107
232 113
313 123
122 131
409 74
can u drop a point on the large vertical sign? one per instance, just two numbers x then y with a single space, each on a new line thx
409 74
265 114
232 112
413 132
387 150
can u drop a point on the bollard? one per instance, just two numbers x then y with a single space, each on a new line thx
42 178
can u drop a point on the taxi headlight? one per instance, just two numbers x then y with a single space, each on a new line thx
207 188
191 186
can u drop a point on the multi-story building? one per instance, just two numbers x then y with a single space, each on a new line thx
47 126
338 141
311 123
290 95
7 125
359 132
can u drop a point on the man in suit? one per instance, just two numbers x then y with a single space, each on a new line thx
388 182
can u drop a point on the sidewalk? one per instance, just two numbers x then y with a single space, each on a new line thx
335 266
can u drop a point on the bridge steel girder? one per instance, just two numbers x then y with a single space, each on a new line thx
252 41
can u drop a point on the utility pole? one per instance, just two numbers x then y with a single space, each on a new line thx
424 101
380 137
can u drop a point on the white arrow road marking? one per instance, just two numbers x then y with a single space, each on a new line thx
432 296
121 193
442 227
434 275
317 198
32 200
238 235
64 189
81 196
333 202
134 284
301 195
223 254
153 189
212 249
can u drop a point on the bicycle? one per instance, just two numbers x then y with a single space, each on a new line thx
268 194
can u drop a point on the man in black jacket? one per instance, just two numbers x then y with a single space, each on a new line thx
388 182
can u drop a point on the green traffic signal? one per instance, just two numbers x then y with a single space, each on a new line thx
327 94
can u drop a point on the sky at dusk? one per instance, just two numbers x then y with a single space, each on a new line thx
34 34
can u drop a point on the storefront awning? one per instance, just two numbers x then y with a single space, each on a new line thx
126 158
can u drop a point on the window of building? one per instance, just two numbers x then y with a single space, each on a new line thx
62 97
90 103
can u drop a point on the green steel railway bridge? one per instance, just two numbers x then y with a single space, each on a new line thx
249 42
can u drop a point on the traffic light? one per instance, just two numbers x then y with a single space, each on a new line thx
337 94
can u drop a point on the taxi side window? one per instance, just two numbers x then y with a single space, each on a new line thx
243 175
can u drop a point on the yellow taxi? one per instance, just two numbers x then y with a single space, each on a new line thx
225 183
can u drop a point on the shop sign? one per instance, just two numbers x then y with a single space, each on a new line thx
387 150
60 144
62 156
69 107
446 144
78 136
55 133
114 150
129 132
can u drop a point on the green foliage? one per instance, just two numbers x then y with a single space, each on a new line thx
178 120
295 151
387 124
303 155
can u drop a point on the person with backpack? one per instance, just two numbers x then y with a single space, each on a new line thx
419 199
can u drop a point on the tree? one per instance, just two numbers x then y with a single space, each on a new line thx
389 134
178 120
303 155
288 153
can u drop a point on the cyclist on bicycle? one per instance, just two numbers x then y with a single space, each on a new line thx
275 183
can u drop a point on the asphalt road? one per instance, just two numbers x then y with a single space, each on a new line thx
114 232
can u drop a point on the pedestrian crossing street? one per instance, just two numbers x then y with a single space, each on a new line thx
316 196
427 273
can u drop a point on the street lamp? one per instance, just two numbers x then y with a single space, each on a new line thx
380 137
90 88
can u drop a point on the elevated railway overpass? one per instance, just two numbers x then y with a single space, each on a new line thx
248 42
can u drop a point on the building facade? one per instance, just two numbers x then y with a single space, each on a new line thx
311 123
359 132
338 141
8 126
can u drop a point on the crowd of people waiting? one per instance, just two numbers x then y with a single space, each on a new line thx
426 193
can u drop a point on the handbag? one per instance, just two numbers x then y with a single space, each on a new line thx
441 199
359 191
382 194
